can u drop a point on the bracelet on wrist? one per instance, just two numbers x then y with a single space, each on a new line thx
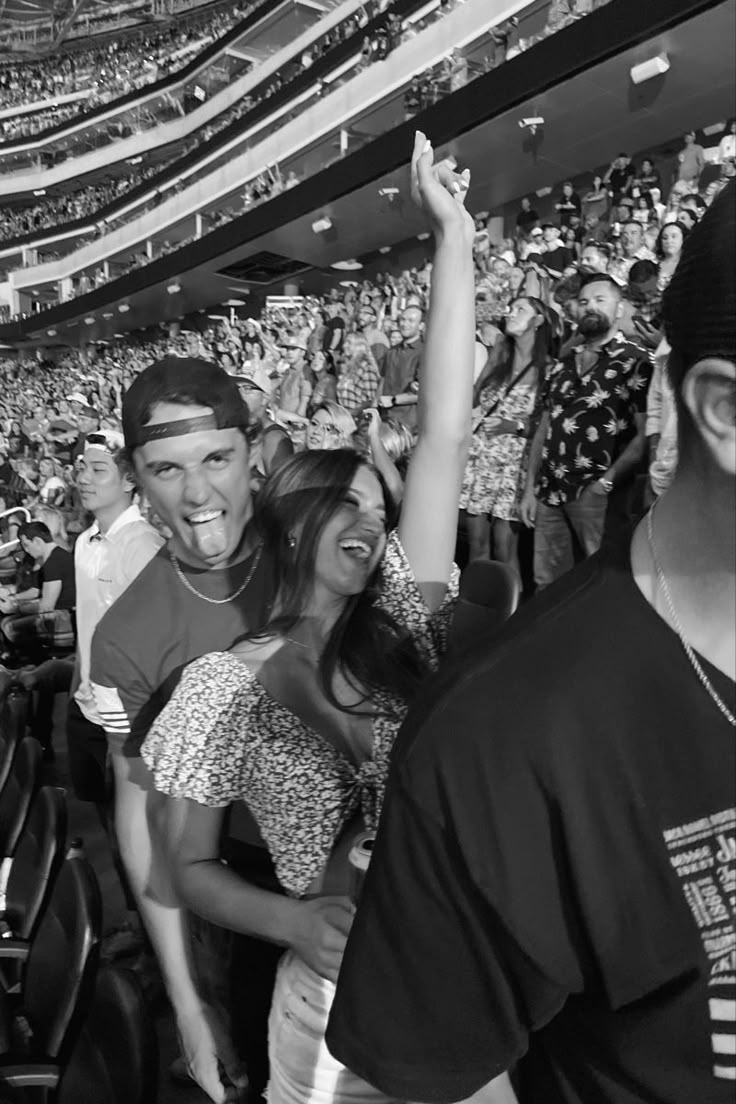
606 484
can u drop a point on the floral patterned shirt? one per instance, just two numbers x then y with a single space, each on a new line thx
222 738
592 417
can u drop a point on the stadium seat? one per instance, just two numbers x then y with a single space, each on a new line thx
42 1022
489 594
18 792
13 717
35 866
114 1060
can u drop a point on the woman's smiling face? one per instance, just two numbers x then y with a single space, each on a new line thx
353 540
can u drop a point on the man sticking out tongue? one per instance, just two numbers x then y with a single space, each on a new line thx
185 426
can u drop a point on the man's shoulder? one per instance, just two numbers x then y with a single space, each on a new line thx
629 352
553 656
140 604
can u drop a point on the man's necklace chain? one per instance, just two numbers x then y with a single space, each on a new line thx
205 597
662 581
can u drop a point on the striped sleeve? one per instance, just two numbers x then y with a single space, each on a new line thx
120 690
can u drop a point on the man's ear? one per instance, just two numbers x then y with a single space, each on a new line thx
709 394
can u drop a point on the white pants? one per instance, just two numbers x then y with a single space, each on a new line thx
302 1069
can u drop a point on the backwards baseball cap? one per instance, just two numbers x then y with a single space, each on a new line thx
107 440
186 380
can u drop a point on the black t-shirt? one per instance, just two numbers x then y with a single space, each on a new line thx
554 877
557 260
333 326
59 567
526 219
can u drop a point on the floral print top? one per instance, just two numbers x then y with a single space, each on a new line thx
223 738
592 416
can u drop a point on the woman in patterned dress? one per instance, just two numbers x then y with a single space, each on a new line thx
505 397
298 720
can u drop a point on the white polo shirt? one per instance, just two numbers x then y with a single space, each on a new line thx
104 566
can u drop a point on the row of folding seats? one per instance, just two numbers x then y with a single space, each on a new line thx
70 1031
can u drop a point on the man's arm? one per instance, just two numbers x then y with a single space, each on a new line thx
28 602
632 455
528 504
140 826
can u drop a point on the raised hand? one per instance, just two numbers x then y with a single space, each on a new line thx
440 191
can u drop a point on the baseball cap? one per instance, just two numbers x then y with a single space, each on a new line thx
190 381
258 378
108 440
294 341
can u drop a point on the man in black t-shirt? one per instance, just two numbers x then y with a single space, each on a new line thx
553 884
43 616
527 217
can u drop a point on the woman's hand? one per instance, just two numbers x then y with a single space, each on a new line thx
324 926
372 422
440 191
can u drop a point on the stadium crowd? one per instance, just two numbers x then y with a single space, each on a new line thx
446 78
106 72
383 40
574 379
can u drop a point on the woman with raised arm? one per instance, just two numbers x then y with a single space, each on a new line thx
298 720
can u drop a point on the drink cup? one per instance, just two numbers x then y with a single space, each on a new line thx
359 858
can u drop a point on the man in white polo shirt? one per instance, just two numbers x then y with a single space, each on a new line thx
107 557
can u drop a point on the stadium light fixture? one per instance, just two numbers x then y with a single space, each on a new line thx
347 266
174 288
123 308
647 70
322 225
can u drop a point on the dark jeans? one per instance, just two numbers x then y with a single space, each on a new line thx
236 973
565 534
51 678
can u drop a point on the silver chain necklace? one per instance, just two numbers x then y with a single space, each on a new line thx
708 685
205 597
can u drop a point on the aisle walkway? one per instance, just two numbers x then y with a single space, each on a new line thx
83 822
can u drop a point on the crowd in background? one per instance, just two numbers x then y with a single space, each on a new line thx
358 347
105 72
451 74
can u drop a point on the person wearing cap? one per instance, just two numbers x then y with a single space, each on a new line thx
185 425
556 257
552 883
108 556
294 390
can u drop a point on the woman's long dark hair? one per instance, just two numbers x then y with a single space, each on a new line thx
366 644
501 357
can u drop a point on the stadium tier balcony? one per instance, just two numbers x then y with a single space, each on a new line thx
348 152
130 171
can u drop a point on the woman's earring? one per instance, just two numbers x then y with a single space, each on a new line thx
291 542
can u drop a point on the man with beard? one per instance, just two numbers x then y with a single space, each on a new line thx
590 438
